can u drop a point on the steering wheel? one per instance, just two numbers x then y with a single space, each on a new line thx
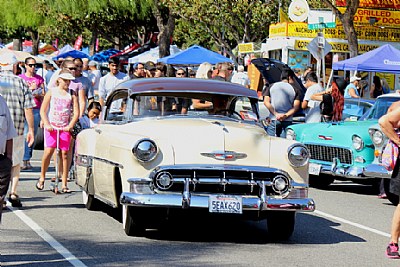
228 112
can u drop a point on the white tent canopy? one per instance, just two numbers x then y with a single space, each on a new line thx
152 55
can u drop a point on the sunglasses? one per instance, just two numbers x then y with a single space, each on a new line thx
72 68
180 73
32 65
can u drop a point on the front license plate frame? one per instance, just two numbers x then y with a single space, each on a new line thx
225 204
314 169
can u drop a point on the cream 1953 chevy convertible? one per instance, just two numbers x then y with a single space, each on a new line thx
154 153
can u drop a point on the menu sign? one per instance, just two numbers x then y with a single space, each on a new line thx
373 3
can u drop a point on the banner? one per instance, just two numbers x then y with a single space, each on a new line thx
78 43
383 18
96 47
336 46
55 43
373 3
300 29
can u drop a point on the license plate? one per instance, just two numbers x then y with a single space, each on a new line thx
314 169
225 204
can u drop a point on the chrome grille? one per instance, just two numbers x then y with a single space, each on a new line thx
219 181
328 153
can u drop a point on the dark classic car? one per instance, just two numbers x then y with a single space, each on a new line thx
154 161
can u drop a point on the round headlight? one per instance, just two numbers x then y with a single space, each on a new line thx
377 138
290 134
358 143
164 180
298 155
280 184
145 150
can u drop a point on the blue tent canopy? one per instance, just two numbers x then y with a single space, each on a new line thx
194 55
382 59
72 53
103 56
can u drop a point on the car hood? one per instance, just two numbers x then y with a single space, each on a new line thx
333 133
201 141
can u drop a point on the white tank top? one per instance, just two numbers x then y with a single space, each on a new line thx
60 108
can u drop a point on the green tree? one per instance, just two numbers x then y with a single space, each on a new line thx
227 23
24 16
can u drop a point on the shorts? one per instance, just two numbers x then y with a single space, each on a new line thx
50 139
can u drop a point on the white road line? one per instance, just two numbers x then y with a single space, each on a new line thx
352 223
47 237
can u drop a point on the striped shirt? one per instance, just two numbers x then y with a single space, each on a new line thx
18 97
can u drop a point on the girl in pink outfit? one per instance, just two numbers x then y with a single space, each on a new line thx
59 110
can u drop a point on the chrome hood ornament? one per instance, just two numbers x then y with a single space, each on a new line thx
225 155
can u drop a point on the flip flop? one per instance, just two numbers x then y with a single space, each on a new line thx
14 200
39 185
65 190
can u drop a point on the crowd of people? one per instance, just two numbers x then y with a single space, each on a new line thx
57 99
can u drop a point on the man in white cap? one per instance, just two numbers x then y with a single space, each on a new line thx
240 77
351 89
94 77
20 103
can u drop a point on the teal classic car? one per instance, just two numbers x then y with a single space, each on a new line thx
342 150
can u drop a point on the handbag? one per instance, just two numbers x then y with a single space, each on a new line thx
390 155
76 129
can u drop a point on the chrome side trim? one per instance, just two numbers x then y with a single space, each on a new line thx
250 203
80 157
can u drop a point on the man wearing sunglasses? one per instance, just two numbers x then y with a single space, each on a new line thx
36 85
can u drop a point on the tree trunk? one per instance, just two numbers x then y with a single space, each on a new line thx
35 41
166 29
92 46
117 44
17 44
351 34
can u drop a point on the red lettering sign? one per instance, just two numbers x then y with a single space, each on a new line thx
373 3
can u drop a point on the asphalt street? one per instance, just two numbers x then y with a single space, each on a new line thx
350 227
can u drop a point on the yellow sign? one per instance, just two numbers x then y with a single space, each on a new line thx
389 78
300 29
246 48
385 18
336 47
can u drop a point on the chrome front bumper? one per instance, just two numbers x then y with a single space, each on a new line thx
250 203
341 171
377 171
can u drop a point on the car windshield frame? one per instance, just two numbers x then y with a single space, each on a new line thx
379 108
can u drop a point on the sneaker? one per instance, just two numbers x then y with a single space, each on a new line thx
382 196
392 251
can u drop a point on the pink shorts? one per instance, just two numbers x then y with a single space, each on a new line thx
50 139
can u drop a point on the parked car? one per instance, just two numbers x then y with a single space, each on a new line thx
341 150
375 169
154 162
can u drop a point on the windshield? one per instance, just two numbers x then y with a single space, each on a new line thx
380 108
141 106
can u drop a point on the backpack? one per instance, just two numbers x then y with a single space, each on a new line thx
326 105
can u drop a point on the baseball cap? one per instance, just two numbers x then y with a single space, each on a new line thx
92 63
66 76
354 78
